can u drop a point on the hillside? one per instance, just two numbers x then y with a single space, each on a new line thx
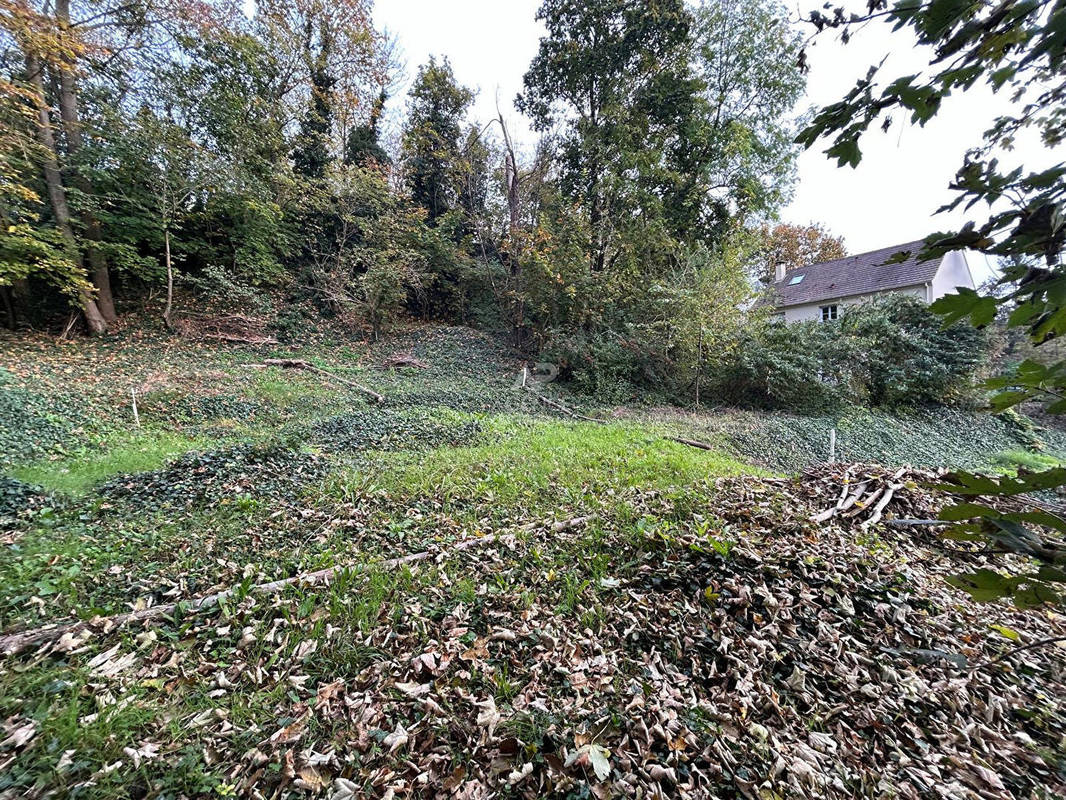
269 585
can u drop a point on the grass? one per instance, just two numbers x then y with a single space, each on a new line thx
531 462
139 451
1010 461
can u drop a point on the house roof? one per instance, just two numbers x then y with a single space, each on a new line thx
866 273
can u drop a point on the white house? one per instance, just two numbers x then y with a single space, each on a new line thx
821 291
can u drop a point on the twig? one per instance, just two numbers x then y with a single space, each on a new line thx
1016 650
916 523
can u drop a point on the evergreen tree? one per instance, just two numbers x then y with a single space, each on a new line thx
363 145
432 147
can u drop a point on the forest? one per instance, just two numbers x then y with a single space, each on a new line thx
198 160
357 443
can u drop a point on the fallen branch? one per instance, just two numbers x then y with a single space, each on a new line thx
886 498
16 642
690 443
233 339
560 407
299 363
916 523
403 360
1014 651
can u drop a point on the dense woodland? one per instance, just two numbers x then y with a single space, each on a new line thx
182 157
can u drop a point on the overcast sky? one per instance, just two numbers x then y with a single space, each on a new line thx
889 199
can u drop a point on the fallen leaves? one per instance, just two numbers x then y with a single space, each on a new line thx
807 660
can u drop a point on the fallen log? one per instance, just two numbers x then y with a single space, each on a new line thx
16 642
299 363
691 443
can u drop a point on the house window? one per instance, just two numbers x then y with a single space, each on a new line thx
796 279
829 313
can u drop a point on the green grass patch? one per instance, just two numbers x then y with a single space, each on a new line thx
140 451
1011 461
533 462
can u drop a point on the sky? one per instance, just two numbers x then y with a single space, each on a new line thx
889 199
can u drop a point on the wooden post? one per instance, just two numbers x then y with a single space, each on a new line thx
136 416
832 445
699 365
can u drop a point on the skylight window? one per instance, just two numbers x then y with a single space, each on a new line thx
795 279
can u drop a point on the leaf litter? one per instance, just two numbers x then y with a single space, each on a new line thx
709 643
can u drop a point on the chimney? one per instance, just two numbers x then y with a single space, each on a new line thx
779 273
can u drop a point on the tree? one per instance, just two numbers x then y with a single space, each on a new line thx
794 246
738 160
72 128
36 37
174 171
1017 48
332 63
364 141
374 259
432 148
613 71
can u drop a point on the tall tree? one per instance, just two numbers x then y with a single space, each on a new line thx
70 114
738 159
28 248
313 152
35 35
332 63
609 68
364 141
432 138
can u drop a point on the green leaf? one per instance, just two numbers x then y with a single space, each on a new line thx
965 303
983 586
1034 595
961 511
1006 632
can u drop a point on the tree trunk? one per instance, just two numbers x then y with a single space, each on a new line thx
57 195
170 281
9 308
68 110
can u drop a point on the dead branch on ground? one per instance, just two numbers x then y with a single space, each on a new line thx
299 363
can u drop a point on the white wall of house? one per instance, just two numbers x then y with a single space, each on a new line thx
953 273
813 311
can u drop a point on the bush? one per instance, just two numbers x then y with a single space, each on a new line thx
891 352
900 354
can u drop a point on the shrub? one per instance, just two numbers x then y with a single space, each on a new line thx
890 352
900 354
783 366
